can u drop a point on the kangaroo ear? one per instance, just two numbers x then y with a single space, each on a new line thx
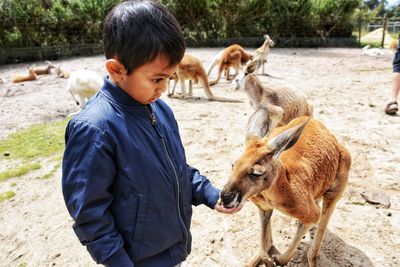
250 67
258 123
286 139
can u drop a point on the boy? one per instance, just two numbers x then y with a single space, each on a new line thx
125 179
392 107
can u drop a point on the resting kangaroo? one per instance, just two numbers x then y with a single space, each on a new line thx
233 56
41 70
291 170
191 68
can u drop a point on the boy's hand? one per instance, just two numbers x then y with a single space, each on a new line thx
220 208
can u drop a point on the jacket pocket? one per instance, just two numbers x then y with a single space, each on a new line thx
141 218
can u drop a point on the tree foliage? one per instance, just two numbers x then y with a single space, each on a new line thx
44 23
51 22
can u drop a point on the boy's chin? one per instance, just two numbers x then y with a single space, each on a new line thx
153 99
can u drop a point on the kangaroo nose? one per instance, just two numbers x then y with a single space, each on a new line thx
230 199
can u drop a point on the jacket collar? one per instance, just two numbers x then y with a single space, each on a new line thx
118 95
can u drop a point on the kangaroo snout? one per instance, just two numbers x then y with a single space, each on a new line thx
231 199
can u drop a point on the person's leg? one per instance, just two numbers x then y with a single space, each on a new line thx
392 107
395 86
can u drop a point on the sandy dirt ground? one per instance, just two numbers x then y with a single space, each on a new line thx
349 92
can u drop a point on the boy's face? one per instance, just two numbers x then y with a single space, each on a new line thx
146 83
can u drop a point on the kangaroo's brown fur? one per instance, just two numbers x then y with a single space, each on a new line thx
233 56
291 170
41 70
25 77
191 68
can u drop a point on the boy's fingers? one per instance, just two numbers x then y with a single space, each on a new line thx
222 209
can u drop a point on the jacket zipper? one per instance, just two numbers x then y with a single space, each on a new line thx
154 123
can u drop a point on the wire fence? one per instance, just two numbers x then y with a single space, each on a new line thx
82 44
377 32
41 53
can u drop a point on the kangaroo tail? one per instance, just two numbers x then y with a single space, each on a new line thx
223 99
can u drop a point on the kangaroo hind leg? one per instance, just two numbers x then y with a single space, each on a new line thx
330 198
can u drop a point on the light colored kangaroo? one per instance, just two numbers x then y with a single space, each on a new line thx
281 103
290 169
261 54
191 68
62 73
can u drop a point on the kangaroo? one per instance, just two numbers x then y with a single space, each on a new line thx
62 73
281 103
233 56
262 52
215 62
25 77
41 70
291 169
191 68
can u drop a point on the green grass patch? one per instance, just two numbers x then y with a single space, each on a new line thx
40 140
372 44
6 195
51 173
20 170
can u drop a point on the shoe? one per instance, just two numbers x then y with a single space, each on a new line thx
391 108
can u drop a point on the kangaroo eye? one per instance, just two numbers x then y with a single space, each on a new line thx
257 170
255 176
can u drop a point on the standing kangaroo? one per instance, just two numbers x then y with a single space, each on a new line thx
191 68
290 169
261 54
233 56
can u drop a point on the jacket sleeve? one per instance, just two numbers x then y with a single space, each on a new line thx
88 171
203 191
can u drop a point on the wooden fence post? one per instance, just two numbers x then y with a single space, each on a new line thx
384 30
359 29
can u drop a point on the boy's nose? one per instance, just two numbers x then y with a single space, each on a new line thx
163 87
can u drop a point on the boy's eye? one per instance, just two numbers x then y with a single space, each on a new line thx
158 80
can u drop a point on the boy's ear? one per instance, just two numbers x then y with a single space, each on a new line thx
115 69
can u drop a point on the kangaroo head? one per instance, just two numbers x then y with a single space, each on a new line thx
50 65
268 40
259 166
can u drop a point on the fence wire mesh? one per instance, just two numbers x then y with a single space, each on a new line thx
78 41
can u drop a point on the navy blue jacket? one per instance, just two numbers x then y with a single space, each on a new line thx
126 182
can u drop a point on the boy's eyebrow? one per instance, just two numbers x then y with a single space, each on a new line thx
161 74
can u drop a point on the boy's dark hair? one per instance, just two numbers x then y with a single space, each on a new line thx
136 32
